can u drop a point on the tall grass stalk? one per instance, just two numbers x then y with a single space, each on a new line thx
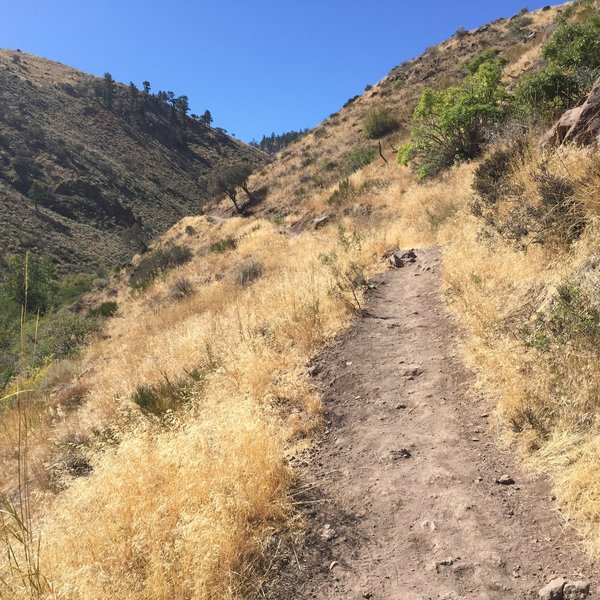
21 544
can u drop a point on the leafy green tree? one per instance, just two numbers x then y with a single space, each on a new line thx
228 180
29 282
146 87
573 64
183 105
40 193
453 124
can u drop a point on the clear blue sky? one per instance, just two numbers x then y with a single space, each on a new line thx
258 65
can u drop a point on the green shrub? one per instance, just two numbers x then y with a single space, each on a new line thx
378 122
487 56
63 335
547 92
105 310
453 124
575 47
573 64
159 261
223 245
358 158
71 287
158 399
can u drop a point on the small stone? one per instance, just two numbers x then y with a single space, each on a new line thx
367 595
402 453
576 590
446 562
327 533
554 590
395 261
505 480
348 363
400 406
333 565
414 372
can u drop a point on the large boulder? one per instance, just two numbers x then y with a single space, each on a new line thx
579 125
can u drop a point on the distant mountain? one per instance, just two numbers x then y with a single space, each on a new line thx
90 169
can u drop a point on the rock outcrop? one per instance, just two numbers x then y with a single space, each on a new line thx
579 125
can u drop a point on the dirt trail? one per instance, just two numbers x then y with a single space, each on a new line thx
405 503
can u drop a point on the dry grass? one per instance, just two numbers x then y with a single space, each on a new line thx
182 504
532 316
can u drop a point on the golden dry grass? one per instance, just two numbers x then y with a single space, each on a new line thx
547 387
182 505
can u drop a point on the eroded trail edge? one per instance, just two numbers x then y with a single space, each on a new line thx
404 500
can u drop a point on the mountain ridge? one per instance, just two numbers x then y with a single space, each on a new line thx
107 178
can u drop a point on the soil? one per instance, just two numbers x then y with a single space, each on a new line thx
403 498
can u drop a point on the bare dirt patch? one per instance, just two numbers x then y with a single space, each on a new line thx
410 497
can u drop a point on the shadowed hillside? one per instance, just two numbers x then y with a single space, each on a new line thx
90 170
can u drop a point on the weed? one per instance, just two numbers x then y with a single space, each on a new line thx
157 262
248 272
342 192
160 398
379 122
181 288
223 245
358 158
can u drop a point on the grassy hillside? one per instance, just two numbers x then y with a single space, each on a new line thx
313 165
88 179
161 462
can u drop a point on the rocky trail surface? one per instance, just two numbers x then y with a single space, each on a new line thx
408 495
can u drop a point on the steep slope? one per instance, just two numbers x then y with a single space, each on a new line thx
311 166
107 173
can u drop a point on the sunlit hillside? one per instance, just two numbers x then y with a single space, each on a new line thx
160 462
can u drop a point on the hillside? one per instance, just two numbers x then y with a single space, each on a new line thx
313 165
107 179
293 404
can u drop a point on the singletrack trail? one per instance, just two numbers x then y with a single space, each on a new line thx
403 499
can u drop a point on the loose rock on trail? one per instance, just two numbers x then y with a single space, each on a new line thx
410 497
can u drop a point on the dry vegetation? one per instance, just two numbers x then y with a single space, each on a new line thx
186 415
186 490
185 496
